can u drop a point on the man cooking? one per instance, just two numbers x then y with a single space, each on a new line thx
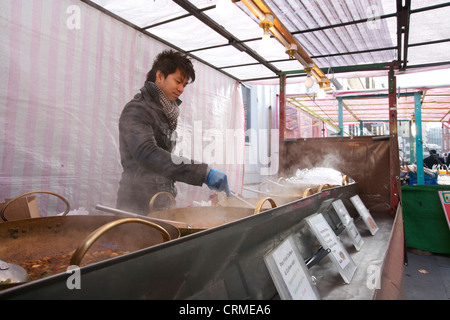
146 130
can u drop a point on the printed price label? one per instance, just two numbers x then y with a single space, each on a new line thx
329 240
289 272
365 214
347 221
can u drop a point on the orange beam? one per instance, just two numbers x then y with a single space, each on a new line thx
260 7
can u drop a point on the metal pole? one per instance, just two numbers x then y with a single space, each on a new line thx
419 142
341 117
282 107
394 153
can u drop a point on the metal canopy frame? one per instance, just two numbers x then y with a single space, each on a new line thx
402 15
326 20
232 40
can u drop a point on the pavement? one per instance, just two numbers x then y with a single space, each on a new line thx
427 276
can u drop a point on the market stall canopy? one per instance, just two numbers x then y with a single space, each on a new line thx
341 36
371 105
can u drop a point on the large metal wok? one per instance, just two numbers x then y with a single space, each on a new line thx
280 193
233 202
193 219
279 199
286 190
28 240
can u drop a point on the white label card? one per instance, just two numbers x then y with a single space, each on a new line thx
329 240
289 272
347 221
342 212
354 235
365 214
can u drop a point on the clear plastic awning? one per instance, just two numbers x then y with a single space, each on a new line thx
341 36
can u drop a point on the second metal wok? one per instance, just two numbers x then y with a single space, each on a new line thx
290 190
194 219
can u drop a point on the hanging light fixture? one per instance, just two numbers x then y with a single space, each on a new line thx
266 23
272 26
309 82
291 50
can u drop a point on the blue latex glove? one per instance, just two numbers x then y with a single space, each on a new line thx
218 181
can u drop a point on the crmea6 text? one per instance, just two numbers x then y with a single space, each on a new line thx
246 309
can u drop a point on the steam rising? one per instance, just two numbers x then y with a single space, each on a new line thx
316 176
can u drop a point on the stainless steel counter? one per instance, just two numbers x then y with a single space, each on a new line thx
225 262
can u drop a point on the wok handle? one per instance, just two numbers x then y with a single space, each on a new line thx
281 179
96 234
345 181
307 192
2 212
153 199
261 202
261 184
323 187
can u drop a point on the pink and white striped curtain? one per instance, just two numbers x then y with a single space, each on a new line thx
67 70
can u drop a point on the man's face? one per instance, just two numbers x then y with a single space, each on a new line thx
173 85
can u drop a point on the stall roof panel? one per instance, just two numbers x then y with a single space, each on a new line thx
317 16
243 30
193 35
142 13
337 36
225 57
258 71
427 26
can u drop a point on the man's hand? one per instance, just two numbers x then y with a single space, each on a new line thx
218 181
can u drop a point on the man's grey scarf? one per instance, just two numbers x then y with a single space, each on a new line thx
171 109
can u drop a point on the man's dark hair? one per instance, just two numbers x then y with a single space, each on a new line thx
168 61
432 151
